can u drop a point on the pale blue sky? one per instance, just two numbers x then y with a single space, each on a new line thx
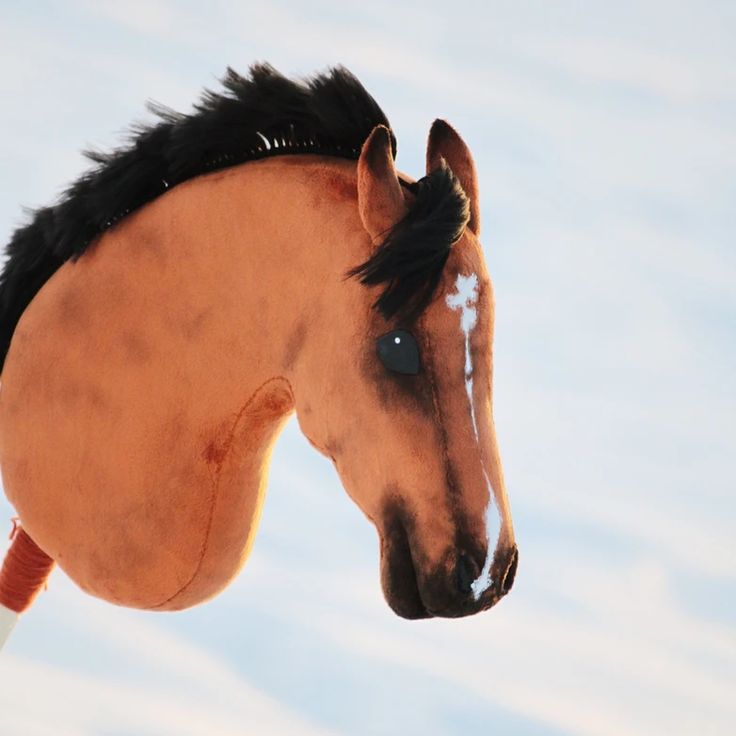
604 135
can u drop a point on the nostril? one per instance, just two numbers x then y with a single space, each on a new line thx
508 577
467 572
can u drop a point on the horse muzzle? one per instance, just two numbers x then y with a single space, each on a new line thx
452 589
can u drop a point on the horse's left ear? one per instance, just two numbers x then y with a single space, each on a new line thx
445 143
380 199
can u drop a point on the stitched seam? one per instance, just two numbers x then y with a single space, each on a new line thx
216 484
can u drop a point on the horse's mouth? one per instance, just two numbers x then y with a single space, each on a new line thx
398 573
438 595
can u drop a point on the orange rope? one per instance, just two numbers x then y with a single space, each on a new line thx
24 572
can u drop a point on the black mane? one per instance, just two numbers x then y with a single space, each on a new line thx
258 116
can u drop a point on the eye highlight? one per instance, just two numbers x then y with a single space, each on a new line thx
399 352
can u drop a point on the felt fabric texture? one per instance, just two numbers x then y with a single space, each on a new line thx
380 199
147 381
446 144
258 115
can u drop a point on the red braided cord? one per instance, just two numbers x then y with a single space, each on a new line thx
24 572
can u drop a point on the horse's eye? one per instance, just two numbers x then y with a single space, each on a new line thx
399 352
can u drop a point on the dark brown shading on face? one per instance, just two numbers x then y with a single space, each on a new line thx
397 392
398 575
294 344
431 569
415 589
136 348
417 452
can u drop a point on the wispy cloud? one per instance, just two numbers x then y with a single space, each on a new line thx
169 685
606 143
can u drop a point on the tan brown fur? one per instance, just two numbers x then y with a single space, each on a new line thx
147 381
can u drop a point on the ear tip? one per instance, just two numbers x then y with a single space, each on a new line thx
441 129
378 146
382 136
379 139
378 131
440 123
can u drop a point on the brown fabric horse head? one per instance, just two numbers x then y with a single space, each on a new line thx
229 268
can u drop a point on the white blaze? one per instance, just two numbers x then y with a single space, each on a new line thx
465 300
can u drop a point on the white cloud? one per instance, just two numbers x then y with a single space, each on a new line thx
571 671
607 150
38 699
174 686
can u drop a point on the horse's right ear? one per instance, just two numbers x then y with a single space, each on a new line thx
380 199
445 143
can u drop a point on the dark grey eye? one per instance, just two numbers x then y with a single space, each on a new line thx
399 352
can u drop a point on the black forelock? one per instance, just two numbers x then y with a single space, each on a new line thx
253 117
412 257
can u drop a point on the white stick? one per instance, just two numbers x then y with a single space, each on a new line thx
8 619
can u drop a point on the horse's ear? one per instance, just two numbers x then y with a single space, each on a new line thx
445 143
380 199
